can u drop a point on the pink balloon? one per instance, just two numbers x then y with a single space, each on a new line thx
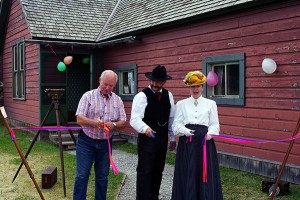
212 79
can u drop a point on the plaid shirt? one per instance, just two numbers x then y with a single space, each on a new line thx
93 104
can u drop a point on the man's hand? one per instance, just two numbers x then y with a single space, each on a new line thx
98 123
149 132
110 125
172 146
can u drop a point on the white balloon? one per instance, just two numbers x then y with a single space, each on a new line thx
269 65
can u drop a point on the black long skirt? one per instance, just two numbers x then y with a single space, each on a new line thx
188 175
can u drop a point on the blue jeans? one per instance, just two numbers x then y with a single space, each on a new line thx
89 151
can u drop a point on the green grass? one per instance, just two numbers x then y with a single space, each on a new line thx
236 185
42 155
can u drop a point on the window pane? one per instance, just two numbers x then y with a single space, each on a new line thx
127 83
21 85
15 84
125 88
131 81
21 56
233 79
15 61
219 89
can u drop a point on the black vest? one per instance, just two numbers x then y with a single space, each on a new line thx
157 113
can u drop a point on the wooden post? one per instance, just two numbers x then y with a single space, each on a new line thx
10 131
285 160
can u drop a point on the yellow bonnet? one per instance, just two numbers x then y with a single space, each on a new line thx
194 78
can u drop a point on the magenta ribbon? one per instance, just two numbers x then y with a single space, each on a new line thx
62 128
12 135
204 171
252 141
233 139
204 163
51 128
239 140
189 139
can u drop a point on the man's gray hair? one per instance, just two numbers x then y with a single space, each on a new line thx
110 72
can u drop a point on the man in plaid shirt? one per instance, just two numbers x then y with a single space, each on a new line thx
96 108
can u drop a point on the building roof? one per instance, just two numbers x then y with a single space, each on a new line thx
99 20
79 20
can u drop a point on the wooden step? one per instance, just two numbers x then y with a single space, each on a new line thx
68 143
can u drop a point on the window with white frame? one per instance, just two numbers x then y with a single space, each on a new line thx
18 65
127 81
230 74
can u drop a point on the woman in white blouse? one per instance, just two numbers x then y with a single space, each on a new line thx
196 175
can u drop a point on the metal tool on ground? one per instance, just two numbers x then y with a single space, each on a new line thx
55 95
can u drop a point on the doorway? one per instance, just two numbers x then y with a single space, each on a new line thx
78 82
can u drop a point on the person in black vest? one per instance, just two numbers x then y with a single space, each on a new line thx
152 117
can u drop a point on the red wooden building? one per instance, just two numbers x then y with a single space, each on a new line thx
231 38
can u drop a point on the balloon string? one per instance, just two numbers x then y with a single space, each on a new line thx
52 49
54 52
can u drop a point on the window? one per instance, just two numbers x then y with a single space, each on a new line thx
127 81
230 70
18 64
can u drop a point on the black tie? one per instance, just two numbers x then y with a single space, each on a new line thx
158 96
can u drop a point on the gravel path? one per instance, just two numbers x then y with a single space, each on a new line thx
126 164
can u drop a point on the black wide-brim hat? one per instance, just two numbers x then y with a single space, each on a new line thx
159 73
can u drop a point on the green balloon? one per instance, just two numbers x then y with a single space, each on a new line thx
85 60
61 66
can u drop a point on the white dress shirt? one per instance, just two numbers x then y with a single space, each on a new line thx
138 110
205 113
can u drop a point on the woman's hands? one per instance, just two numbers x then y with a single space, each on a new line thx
208 136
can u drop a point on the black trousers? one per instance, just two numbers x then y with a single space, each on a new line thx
151 163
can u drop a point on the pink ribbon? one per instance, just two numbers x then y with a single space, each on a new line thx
12 135
112 163
189 139
204 161
51 128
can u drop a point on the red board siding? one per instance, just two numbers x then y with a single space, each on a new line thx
28 110
272 101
